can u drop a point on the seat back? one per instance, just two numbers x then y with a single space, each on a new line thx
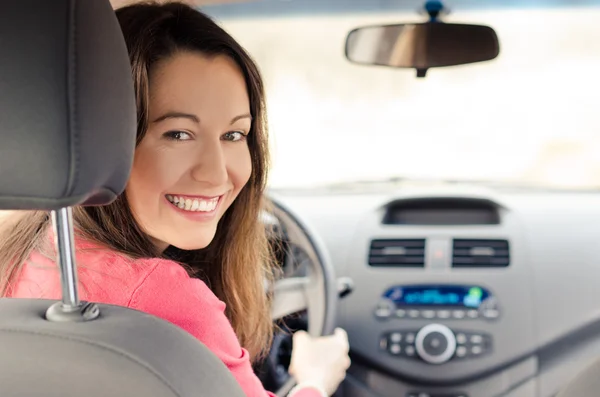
122 353
67 137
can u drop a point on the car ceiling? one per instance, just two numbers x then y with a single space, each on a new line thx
283 8
120 3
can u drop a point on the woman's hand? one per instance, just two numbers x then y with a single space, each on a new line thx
320 361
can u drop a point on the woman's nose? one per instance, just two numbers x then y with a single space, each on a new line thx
211 166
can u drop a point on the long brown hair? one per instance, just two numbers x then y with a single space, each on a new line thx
237 262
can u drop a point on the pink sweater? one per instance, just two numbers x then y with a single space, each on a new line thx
155 286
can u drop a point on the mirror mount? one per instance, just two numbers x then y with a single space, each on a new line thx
434 8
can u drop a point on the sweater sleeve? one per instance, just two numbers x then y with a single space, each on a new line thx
169 293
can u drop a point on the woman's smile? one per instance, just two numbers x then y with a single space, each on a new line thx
198 208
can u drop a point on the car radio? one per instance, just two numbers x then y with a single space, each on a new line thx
437 301
436 343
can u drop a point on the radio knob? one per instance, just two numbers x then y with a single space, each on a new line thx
435 343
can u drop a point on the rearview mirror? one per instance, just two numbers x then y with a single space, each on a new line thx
422 46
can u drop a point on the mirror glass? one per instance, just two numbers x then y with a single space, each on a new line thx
422 45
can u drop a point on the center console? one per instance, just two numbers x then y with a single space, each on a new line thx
445 306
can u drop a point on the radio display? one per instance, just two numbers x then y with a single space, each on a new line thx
467 296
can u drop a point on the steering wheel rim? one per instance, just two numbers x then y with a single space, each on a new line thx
316 292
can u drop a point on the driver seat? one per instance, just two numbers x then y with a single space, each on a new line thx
67 127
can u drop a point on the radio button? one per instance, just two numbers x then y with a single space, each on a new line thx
383 313
489 303
476 350
414 313
409 351
443 314
384 309
491 313
461 351
473 313
461 338
410 338
395 349
395 337
458 314
476 339
400 313
428 314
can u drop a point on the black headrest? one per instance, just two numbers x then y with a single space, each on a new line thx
67 105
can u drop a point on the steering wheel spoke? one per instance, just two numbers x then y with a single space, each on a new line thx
290 296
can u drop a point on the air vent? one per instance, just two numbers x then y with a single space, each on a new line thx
397 253
480 253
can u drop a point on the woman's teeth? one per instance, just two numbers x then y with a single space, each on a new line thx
194 205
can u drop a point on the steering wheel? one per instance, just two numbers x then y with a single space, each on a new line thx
316 292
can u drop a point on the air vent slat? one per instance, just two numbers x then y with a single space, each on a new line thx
480 253
398 257
400 251
482 243
397 253
398 243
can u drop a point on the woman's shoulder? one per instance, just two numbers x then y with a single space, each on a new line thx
169 281
106 276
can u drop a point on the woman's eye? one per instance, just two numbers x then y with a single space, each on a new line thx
234 136
178 135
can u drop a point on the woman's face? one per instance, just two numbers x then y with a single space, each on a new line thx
194 159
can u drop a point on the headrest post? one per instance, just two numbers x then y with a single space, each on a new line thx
62 220
70 308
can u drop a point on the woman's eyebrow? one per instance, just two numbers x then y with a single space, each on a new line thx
178 115
240 117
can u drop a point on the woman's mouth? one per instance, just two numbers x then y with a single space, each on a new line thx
194 204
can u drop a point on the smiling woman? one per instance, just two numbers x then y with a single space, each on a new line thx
183 242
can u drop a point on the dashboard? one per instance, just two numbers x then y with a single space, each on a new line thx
462 291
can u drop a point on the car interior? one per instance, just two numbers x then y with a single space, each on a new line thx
435 192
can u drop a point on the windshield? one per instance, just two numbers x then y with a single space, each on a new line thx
530 116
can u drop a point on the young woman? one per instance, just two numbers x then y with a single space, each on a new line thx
183 242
